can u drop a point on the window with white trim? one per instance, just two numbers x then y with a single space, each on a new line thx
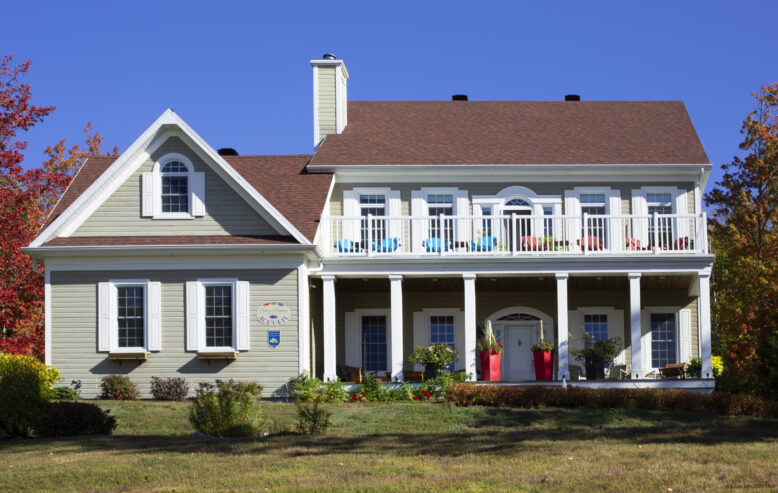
486 222
596 325
370 206
442 331
219 322
659 203
437 204
173 189
593 203
664 339
374 343
217 314
548 223
131 316
174 177
128 312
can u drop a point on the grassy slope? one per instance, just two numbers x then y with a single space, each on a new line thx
408 446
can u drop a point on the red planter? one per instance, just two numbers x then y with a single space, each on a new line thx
490 365
544 364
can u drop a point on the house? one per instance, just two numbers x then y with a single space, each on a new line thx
412 222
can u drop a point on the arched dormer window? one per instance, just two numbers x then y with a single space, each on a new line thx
173 190
517 203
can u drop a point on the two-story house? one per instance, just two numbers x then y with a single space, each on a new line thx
412 222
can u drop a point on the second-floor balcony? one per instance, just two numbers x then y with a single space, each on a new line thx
525 235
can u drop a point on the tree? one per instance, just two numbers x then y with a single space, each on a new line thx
744 289
26 199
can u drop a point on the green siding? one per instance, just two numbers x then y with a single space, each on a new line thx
226 213
74 331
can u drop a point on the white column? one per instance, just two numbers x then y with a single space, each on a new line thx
634 324
303 321
328 314
47 317
704 320
470 331
396 320
562 328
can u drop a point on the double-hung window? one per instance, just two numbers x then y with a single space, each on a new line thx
374 343
217 315
596 325
370 207
441 204
175 187
659 203
663 339
486 222
131 316
442 331
548 223
129 319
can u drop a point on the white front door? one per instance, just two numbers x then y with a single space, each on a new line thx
517 362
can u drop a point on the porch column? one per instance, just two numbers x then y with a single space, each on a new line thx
396 351
470 330
634 323
704 321
328 314
562 328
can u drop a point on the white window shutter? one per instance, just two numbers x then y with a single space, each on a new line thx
645 342
147 195
198 193
395 225
153 315
640 224
616 226
462 227
573 213
104 319
353 340
418 226
685 326
574 330
242 307
192 315
681 224
351 227
421 334
388 330
459 340
616 329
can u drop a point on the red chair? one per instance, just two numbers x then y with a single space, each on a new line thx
633 244
592 243
681 243
530 243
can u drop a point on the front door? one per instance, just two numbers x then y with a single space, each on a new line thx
517 363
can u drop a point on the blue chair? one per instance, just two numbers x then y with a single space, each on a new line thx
346 246
387 245
435 244
483 244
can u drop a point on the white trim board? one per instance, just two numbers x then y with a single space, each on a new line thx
131 159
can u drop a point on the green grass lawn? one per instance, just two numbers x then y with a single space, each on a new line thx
408 446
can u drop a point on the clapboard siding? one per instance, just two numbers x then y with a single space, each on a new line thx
540 188
327 118
226 213
74 332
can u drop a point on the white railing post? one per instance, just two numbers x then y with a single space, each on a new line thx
704 233
514 243
585 235
655 219
369 239
441 234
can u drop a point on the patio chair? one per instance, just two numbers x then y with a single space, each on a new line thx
353 374
387 245
616 372
345 245
633 244
435 244
681 243
483 244
592 243
673 370
576 372
531 243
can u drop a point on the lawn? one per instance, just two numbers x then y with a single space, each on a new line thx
408 446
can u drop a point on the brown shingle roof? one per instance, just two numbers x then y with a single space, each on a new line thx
170 240
282 180
513 132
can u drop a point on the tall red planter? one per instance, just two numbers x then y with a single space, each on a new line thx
490 365
544 364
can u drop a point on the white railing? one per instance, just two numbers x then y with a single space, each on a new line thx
513 235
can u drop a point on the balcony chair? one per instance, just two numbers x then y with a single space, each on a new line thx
681 243
593 243
633 244
435 244
483 244
387 245
344 245
532 244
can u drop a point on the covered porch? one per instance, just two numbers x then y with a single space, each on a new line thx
374 322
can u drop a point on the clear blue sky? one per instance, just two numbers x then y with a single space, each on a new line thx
238 72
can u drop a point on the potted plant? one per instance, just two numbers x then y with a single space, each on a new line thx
542 353
490 352
595 354
434 357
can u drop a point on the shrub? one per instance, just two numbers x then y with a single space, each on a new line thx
650 399
373 390
169 389
434 357
335 392
118 387
306 387
65 394
62 419
438 386
312 419
25 388
228 409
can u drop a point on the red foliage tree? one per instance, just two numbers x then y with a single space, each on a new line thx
27 196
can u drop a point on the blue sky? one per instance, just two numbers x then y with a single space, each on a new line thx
238 72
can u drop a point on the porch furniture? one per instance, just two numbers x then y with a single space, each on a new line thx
435 245
673 370
531 243
616 372
413 376
344 245
633 244
484 244
576 372
591 243
353 374
387 245
465 245
681 243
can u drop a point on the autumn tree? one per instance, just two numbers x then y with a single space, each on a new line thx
744 289
27 196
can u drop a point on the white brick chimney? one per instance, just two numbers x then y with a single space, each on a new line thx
329 97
